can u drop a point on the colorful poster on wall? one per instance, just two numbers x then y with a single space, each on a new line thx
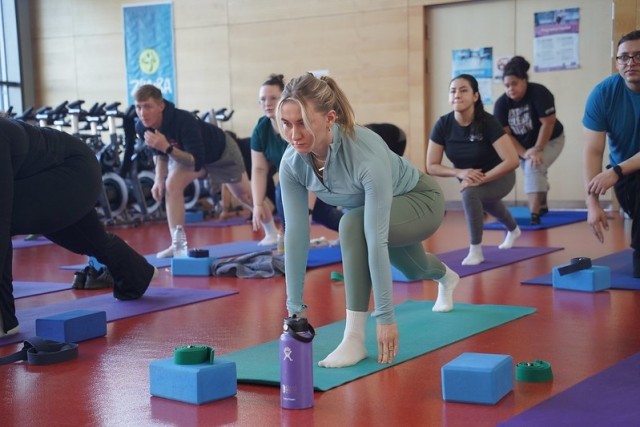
498 67
149 50
479 64
555 45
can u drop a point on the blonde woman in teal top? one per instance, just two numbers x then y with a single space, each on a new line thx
392 208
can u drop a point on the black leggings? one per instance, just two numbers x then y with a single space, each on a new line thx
59 203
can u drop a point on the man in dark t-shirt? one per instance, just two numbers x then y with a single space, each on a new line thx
186 149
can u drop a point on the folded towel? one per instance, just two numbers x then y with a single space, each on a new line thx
254 265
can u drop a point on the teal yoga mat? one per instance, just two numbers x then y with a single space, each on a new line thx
260 365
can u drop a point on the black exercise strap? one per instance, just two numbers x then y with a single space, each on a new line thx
38 351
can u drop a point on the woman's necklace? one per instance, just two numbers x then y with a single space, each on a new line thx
315 163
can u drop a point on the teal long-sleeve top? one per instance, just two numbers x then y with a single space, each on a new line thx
359 171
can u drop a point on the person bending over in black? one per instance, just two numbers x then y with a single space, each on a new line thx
49 184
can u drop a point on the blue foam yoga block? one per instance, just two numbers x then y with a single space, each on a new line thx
477 378
195 384
193 216
190 266
73 326
594 279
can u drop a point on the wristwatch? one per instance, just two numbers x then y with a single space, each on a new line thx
618 170
168 150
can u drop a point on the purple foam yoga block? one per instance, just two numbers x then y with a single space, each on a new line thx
190 266
195 384
73 326
477 378
594 279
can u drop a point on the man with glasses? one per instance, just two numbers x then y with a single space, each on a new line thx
613 111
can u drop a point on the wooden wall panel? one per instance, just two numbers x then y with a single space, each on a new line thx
100 76
200 13
54 58
625 14
202 68
365 53
245 11
52 18
416 130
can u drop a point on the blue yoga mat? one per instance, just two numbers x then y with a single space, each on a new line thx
609 398
554 218
326 255
28 289
218 223
21 242
155 299
317 256
260 364
222 250
493 258
620 263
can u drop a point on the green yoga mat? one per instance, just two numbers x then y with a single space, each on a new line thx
421 331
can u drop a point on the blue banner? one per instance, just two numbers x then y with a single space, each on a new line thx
148 39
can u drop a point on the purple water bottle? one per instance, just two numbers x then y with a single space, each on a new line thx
296 363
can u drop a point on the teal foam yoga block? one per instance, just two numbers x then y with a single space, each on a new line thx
477 378
191 266
73 326
195 384
594 279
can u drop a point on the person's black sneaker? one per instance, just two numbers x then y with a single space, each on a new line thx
79 279
535 219
98 279
544 211
636 264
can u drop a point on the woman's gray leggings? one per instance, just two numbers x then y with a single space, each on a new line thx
488 198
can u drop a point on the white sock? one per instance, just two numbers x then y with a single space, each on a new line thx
271 234
446 285
475 256
352 349
167 253
510 238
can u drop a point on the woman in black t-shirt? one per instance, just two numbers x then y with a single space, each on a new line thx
483 158
528 114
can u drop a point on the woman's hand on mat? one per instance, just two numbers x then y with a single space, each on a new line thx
387 342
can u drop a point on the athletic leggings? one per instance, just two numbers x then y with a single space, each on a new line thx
414 217
488 197
59 203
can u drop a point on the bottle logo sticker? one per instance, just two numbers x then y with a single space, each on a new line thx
287 354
